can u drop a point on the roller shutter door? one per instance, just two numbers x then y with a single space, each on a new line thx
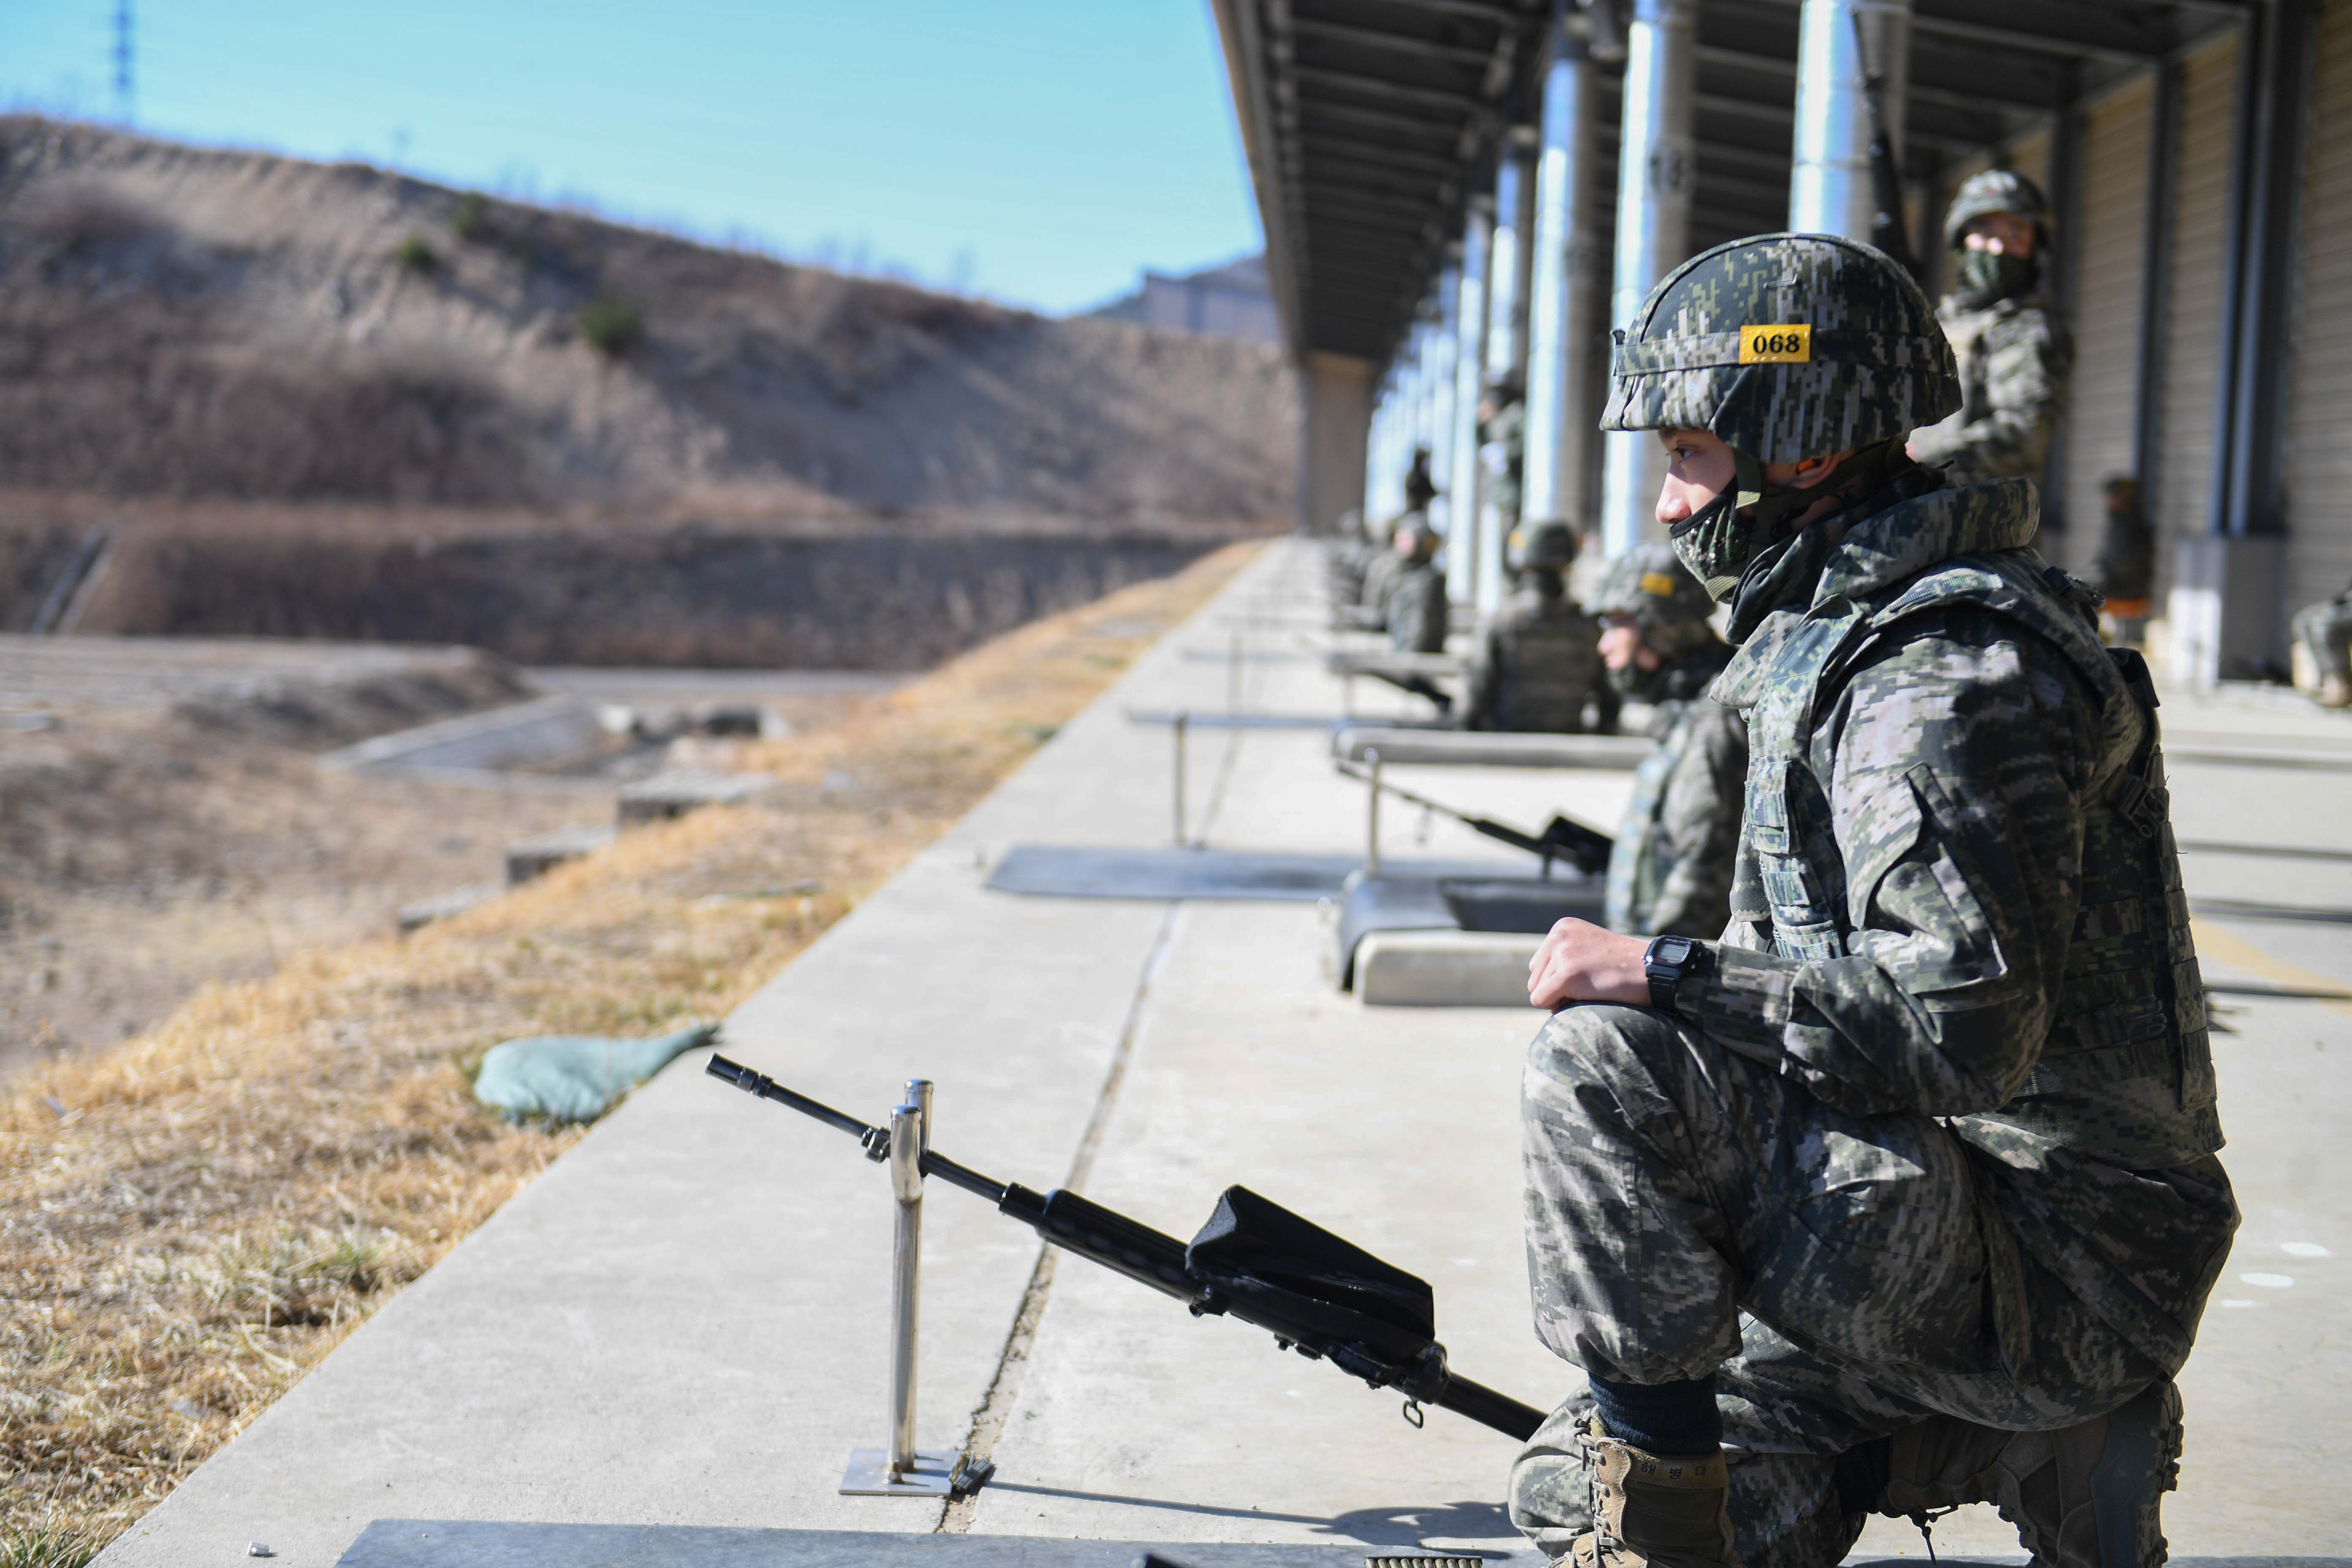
2110 256
2319 417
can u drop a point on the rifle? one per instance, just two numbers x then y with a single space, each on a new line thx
1564 838
1887 230
1325 1298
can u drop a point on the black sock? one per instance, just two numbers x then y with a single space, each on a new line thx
1862 1474
1662 1418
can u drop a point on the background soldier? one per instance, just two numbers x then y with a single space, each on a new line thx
1503 446
1420 490
2013 350
1538 667
1907 1186
1670 874
1418 614
2324 632
2127 571
1353 545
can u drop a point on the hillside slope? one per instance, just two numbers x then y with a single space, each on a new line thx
202 324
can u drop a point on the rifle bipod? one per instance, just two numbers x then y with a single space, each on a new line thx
1318 1294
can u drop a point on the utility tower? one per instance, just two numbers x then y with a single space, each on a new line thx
123 100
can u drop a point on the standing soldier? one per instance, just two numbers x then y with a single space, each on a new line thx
2127 562
1420 490
1670 874
1503 452
1538 667
2013 350
2324 631
1903 1194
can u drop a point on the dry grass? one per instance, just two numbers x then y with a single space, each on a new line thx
190 1221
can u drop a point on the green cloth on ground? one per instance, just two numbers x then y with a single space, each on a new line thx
575 1078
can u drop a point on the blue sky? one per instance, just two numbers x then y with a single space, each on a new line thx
1041 152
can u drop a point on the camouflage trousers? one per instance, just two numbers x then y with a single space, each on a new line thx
1690 1211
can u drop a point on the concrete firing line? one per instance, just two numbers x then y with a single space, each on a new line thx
1004 1387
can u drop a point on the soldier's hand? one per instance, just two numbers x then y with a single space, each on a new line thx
1580 961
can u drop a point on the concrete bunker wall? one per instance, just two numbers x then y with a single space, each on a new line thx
699 597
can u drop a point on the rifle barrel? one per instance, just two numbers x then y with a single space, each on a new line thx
1488 1408
766 1087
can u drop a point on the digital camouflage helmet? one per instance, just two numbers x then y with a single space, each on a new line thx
1649 586
1547 546
1785 346
1995 191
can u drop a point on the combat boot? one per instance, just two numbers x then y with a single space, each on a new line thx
2085 1497
2334 692
1652 1510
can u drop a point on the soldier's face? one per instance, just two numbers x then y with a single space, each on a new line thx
1698 466
2001 234
1622 645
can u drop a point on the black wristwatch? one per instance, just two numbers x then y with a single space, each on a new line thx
1666 962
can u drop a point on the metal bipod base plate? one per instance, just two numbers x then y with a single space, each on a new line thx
937 1472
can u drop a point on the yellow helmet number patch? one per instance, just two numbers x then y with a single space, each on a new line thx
1789 344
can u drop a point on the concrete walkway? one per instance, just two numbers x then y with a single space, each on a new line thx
678 1332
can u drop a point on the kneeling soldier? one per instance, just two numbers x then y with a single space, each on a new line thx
1903 1194
1670 874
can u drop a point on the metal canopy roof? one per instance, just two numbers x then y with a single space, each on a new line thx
1368 124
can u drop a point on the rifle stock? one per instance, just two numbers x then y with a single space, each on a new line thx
1389 1352
1563 839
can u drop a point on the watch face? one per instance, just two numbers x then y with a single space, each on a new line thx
1672 951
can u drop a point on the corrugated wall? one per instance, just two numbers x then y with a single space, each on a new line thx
2111 259
2319 416
2200 216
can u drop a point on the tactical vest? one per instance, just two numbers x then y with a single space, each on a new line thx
1549 654
2126 1074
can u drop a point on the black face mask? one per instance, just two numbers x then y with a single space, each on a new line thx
1718 541
1984 276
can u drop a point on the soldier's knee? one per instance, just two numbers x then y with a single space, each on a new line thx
1601 1042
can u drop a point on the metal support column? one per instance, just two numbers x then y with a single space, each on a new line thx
1830 185
2156 280
2225 605
1654 178
1506 318
1562 332
1331 439
2061 274
1469 359
1444 339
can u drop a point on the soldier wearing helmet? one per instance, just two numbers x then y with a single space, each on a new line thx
2013 352
1670 874
1538 664
1902 1193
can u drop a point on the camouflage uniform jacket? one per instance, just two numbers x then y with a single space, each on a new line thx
1380 582
1670 874
1417 610
1503 449
1957 892
1538 664
2013 356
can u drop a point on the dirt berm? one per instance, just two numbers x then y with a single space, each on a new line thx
198 323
